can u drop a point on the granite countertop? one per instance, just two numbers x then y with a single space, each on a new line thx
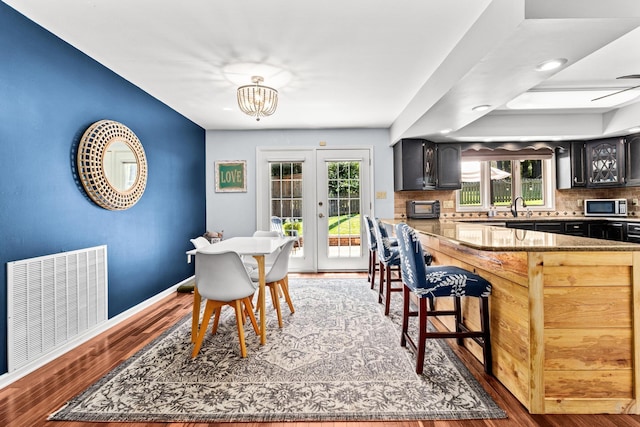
538 218
496 238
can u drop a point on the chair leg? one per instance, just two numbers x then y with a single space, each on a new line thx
195 316
405 316
457 307
273 287
381 287
208 311
422 334
375 268
237 305
486 337
387 303
284 284
216 318
249 311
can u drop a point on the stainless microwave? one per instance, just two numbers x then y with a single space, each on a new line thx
423 209
605 207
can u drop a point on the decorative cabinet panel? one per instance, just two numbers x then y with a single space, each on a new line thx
605 162
419 164
633 160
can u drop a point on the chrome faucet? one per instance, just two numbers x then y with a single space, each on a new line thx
514 208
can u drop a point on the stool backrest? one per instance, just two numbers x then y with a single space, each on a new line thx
383 243
411 256
371 237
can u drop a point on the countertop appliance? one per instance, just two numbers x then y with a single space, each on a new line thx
423 209
605 207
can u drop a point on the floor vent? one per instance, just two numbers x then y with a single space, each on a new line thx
52 300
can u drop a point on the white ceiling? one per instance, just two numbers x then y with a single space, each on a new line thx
414 66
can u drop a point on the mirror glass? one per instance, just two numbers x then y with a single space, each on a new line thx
120 165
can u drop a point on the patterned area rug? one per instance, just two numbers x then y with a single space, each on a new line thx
337 358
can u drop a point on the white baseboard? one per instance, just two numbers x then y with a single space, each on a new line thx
8 378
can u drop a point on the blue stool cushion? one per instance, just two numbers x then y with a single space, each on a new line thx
438 280
444 281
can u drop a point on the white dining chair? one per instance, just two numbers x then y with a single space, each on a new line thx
251 262
277 279
221 278
200 242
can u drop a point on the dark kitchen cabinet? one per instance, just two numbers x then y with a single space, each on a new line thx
550 227
633 232
576 228
419 164
605 162
570 166
633 160
609 230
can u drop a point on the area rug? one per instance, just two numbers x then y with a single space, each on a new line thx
337 358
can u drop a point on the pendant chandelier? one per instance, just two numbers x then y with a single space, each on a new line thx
257 101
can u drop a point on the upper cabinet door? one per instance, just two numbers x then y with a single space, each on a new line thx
605 162
448 167
408 165
633 160
419 164
570 165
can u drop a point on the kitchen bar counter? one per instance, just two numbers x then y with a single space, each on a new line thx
495 238
564 312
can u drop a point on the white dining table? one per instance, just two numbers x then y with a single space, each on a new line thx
257 247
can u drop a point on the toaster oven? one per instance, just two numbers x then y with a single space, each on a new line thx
423 209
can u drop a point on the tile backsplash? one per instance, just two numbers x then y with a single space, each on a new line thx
566 202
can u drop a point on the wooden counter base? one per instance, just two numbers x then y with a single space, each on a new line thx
562 324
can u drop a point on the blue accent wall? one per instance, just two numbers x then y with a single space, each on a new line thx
49 94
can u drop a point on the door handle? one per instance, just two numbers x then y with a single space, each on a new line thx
320 215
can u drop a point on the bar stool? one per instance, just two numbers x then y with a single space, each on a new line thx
373 249
430 282
389 261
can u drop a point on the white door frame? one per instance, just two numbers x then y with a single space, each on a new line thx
307 155
326 262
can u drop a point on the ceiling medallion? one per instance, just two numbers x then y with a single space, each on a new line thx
256 100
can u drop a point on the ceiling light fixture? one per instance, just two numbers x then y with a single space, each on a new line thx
483 107
634 130
551 64
257 101
445 131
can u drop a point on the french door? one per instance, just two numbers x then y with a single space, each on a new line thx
321 195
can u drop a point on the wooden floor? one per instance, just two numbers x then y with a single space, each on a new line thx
28 401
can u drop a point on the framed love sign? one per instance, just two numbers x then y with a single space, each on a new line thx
231 176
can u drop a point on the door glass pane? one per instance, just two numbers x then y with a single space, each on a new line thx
286 200
343 188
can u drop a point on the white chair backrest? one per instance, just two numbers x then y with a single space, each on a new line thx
222 277
263 233
200 242
280 267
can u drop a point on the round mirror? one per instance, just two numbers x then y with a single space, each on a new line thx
120 165
112 165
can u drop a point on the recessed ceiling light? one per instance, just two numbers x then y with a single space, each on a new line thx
445 131
551 64
483 107
634 130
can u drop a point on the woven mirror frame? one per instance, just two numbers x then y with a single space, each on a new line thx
91 171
